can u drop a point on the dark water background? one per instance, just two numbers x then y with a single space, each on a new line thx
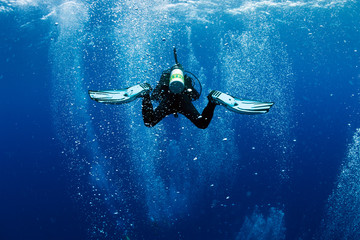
75 169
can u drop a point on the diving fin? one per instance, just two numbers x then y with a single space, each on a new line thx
238 105
121 96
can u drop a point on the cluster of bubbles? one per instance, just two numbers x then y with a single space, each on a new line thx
343 209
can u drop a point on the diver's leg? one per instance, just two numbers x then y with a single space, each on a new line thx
201 121
151 117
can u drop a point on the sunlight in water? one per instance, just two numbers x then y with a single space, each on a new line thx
128 177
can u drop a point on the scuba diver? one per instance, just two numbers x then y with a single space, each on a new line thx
175 93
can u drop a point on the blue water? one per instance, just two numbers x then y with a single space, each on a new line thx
72 168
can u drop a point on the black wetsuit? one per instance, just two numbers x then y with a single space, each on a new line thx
171 103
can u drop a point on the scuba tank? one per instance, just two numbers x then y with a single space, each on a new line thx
177 73
176 82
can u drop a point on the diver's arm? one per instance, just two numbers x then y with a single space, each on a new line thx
190 90
195 95
192 93
156 94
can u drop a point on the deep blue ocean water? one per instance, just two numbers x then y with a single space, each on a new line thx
72 168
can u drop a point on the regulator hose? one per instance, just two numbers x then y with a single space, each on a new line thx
175 56
194 83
